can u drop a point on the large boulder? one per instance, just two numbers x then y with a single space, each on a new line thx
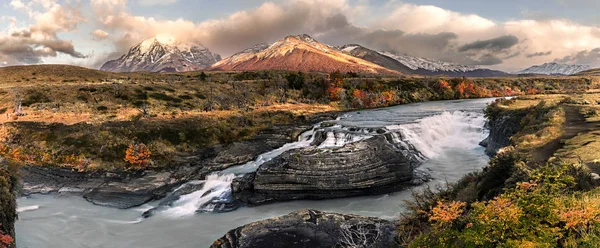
311 228
372 166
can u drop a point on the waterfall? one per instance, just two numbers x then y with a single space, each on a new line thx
429 135
434 134
217 187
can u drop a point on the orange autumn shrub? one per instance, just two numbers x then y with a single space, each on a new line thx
5 240
138 155
446 213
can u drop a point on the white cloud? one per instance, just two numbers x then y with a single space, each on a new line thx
156 2
99 34
420 30
29 44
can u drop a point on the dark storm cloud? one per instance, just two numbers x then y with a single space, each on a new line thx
586 57
496 44
539 54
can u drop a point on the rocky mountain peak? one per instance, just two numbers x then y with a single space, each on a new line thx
163 54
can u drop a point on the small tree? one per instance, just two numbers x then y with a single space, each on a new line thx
138 155
202 76
295 80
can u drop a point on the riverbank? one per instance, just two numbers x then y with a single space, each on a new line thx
531 194
461 126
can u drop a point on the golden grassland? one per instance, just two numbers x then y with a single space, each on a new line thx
62 115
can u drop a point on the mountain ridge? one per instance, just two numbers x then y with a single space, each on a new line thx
553 68
163 54
298 53
415 65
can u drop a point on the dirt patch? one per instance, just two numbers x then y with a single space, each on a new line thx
574 125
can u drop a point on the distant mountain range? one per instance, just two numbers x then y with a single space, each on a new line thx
555 69
414 65
163 54
299 53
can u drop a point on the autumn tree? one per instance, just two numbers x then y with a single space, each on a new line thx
335 89
138 155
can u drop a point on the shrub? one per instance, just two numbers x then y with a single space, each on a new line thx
138 155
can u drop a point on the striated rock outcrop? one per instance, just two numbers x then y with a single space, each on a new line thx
372 166
311 228
502 128
131 189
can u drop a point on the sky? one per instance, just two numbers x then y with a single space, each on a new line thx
508 35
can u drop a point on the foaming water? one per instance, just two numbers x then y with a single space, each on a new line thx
216 187
435 134
447 133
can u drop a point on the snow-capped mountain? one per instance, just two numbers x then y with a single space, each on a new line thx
376 58
414 65
297 53
163 54
417 63
555 69
424 66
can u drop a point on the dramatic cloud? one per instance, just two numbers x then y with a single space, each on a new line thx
418 30
28 45
497 44
539 54
591 57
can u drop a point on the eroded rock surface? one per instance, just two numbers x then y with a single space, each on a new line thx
371 166
311 228
130 189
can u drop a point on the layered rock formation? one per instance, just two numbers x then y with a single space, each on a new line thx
311 228
501 129
367 167
131 189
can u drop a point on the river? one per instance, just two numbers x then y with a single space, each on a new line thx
447 133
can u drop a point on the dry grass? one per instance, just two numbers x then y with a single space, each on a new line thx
584 148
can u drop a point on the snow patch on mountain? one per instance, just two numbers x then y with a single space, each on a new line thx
416 63
555 69
163 53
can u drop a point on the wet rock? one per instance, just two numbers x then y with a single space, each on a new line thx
311 228
501 129
131 189
369 167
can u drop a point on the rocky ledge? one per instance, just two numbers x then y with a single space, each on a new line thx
501 129
130 189
311 228
373 166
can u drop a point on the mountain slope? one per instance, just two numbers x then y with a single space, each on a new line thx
163 54
423 66
415 65
376 58
297 53
555 69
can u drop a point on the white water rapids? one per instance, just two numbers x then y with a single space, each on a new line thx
447 133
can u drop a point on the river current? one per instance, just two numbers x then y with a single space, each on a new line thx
446 133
